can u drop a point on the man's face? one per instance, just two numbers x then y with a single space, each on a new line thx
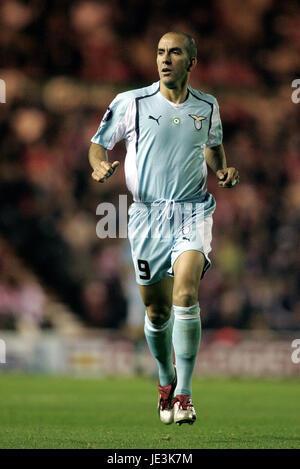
172 60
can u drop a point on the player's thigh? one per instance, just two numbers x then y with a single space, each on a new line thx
188 269
157 299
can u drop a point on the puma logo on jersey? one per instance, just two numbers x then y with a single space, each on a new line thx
154 118
197 121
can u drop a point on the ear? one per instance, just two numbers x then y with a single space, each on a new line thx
192 64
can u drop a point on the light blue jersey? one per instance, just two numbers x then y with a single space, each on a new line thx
165 142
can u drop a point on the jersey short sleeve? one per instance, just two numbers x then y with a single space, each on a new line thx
114 124
215 135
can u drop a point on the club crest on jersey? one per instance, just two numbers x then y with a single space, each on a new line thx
197 121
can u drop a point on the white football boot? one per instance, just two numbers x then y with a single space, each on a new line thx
184 411
165 399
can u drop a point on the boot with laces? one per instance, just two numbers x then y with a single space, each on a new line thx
184 411
165 398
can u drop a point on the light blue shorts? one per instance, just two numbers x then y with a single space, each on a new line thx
160 231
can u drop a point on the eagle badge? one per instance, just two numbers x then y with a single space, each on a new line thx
197 121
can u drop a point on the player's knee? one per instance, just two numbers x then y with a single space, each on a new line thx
186 297
158 314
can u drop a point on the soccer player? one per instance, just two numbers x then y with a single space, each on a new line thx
172 132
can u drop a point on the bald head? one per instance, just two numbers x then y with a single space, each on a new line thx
189 42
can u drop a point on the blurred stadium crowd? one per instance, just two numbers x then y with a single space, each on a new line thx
63 61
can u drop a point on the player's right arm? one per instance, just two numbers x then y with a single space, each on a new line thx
112 129
102 168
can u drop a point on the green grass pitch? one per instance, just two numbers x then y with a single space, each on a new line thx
66 412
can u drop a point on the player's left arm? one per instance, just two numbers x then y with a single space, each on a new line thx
216 159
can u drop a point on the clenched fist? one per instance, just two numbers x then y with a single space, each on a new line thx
228 177
104 170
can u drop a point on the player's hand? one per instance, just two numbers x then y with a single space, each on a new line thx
104 170
228 177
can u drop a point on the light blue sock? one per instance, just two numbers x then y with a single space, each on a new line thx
159 339
186 341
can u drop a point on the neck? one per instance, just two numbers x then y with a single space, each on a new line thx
175 95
